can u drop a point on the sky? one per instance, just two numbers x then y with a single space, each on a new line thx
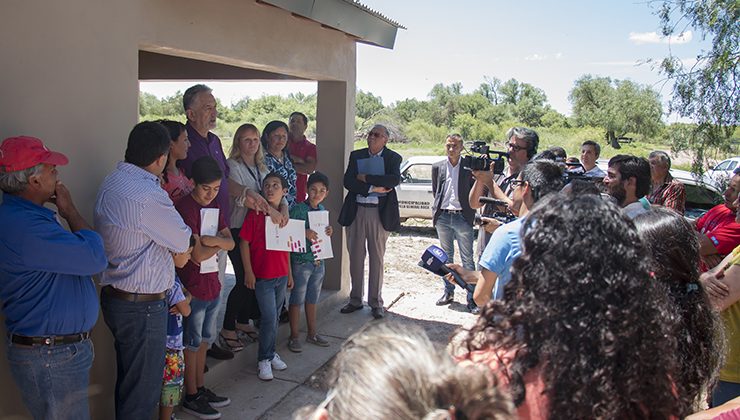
548 44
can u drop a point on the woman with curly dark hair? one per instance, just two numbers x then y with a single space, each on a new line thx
583 331
674 249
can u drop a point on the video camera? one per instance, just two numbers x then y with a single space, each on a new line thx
575 171
505 216
483 162
435 259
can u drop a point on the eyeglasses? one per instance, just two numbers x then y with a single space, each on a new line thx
518 182
376 134
515 147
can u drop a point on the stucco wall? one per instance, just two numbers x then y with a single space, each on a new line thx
70 77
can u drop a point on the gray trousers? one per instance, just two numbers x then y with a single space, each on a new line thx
366 229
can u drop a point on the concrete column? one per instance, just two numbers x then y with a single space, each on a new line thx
335 118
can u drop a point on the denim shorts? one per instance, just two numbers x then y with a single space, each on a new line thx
200 326
307 280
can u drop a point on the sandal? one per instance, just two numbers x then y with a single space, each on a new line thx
249 334
232 344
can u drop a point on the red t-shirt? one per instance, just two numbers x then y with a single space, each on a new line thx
302 149
719 226
266 264
202 286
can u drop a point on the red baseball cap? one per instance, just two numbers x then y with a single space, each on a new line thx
23 152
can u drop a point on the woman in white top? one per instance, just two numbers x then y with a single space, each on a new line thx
247 170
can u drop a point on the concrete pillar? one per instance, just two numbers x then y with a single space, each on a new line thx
334 140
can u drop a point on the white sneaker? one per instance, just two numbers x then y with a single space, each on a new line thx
265 370
277 363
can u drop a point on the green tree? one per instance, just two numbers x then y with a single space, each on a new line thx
367 104
618 107
707 90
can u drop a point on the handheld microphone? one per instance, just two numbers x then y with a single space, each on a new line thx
434 260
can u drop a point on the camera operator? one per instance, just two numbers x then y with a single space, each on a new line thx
522 145
536 180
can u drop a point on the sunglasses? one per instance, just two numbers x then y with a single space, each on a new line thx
515 147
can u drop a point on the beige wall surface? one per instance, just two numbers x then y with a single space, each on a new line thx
70 77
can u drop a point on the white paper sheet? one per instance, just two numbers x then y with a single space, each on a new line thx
291 238
318 221
209 227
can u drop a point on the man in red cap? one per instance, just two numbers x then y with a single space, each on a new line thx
49 298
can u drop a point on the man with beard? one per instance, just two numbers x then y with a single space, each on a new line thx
628 181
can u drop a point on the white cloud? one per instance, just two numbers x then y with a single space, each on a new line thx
543 57
640 38
615 63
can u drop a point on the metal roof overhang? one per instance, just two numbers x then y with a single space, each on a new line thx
348 16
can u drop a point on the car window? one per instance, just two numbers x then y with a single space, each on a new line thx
722 166
418 174
732 165
701 197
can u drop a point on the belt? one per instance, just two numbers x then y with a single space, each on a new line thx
132 297
367 204
452 211
52 340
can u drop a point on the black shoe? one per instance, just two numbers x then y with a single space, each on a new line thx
378 313
349 308
473 308
200 408
284 316
218 353
214 400
446 298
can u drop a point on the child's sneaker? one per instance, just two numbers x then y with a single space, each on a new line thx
294 345
214 400
200 408
317 340
277 363
265 370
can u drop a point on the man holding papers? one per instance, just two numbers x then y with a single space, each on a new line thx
370 213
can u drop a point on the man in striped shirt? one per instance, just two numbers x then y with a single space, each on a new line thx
140 229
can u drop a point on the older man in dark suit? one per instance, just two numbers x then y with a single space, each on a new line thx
370 213
453 216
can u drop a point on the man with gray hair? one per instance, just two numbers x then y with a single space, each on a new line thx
49 299
200 111
665 191
370 214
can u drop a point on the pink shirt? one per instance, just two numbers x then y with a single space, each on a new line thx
178 186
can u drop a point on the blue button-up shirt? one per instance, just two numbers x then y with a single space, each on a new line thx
45 270
139 226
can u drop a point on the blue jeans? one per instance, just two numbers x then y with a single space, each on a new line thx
200 326
53 380
451 227
140 333
270 296
307 280
725 391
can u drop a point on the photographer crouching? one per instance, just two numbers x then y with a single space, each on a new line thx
536 180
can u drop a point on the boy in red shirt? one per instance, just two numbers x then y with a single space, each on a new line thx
199 329
268 273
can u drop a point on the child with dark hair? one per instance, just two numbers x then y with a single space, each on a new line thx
268 273
308 272
200 327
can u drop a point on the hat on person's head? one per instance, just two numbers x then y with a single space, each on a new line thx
23 152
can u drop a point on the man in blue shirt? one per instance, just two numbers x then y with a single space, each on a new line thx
49 299
537 179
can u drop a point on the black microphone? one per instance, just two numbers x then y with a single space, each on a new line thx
434 260
489 200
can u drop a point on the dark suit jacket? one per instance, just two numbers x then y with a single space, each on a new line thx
388 204
464 183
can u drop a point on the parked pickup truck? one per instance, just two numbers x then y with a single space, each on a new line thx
415 197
